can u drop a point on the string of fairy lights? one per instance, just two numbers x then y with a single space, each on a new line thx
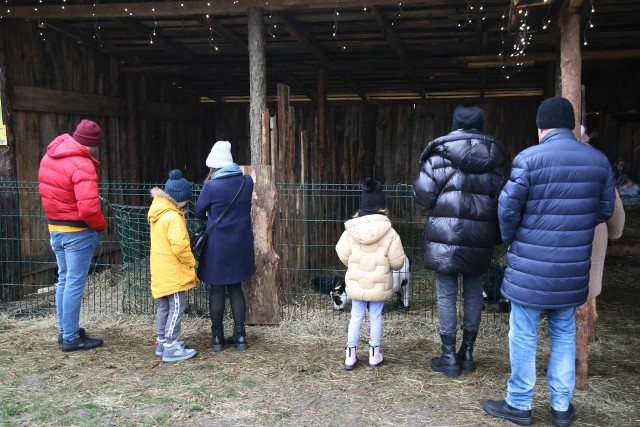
517 51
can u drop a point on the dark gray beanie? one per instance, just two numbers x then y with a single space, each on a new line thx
468 118
372 197
177 187
556 112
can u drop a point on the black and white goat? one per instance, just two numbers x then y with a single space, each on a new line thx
401 283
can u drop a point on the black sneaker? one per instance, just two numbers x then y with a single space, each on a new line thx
81 332
82 343
563 418
501 409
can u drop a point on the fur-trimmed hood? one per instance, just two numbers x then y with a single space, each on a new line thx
162 203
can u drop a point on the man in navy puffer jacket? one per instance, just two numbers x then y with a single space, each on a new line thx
559 190
460 178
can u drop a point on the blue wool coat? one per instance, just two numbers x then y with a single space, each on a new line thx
558 191
228 255
460 179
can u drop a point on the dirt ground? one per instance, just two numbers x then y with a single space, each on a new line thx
293 375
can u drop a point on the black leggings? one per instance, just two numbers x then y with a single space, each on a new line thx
217 300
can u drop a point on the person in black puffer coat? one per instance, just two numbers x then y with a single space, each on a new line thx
461 175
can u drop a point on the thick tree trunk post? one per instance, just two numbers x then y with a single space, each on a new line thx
257 82
571 65
10 251
322 126
266 148
570 77
261 292
593 321
582 338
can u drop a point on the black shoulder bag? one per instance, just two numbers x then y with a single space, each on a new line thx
200 238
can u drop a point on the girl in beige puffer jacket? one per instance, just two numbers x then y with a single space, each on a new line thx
370 248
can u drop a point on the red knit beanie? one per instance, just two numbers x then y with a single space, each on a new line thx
88 133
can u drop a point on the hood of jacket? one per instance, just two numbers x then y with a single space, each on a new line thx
368 229
65 146
163 204
469 150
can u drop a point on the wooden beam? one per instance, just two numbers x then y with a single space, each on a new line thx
101 45
185 8
27 98
159 41
222 31
401 51
291 81
296 30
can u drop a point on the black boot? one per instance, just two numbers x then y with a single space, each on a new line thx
465 355
239 338
446 362
217 339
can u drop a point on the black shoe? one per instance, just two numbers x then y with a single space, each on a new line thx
239 338
501 409
217 340
446 362
82 343
81 332
563 418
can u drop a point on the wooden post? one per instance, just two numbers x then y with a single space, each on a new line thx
10 252
582 338
132 133
261 292
266 149
257 82
571 64
571 83
322 127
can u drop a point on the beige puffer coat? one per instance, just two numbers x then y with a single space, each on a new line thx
612 229
370 248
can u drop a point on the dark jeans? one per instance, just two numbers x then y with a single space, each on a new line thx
447 293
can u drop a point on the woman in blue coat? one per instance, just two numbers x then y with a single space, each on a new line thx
227 258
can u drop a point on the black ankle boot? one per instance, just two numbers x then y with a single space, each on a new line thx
446 362
217 339
239 338
465 355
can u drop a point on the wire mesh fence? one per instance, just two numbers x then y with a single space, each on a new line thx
309 221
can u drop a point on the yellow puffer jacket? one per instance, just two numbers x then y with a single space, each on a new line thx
172 262
370 248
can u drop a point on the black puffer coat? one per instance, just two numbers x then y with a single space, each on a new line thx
460 179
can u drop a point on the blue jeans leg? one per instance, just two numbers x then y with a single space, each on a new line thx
375 322
74 252
447 294
523 340
561 372
358 308
472 302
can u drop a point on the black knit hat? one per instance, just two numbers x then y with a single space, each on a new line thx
372 197
468 118
556 112
177 187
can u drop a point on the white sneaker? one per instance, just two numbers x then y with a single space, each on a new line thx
177 352
160 346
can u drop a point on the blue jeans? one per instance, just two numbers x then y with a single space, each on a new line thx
523 340
447 293
358 309
74 252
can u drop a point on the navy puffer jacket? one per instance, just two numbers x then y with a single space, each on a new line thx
460 179
559 190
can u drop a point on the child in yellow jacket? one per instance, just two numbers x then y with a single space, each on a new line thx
370 248
172 265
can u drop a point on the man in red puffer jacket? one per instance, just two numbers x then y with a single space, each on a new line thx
68 185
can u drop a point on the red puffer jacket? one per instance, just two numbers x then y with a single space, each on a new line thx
68 184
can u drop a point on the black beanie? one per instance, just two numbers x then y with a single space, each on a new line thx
556 112
372 197
468 118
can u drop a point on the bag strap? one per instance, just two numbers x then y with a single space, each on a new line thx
217 220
